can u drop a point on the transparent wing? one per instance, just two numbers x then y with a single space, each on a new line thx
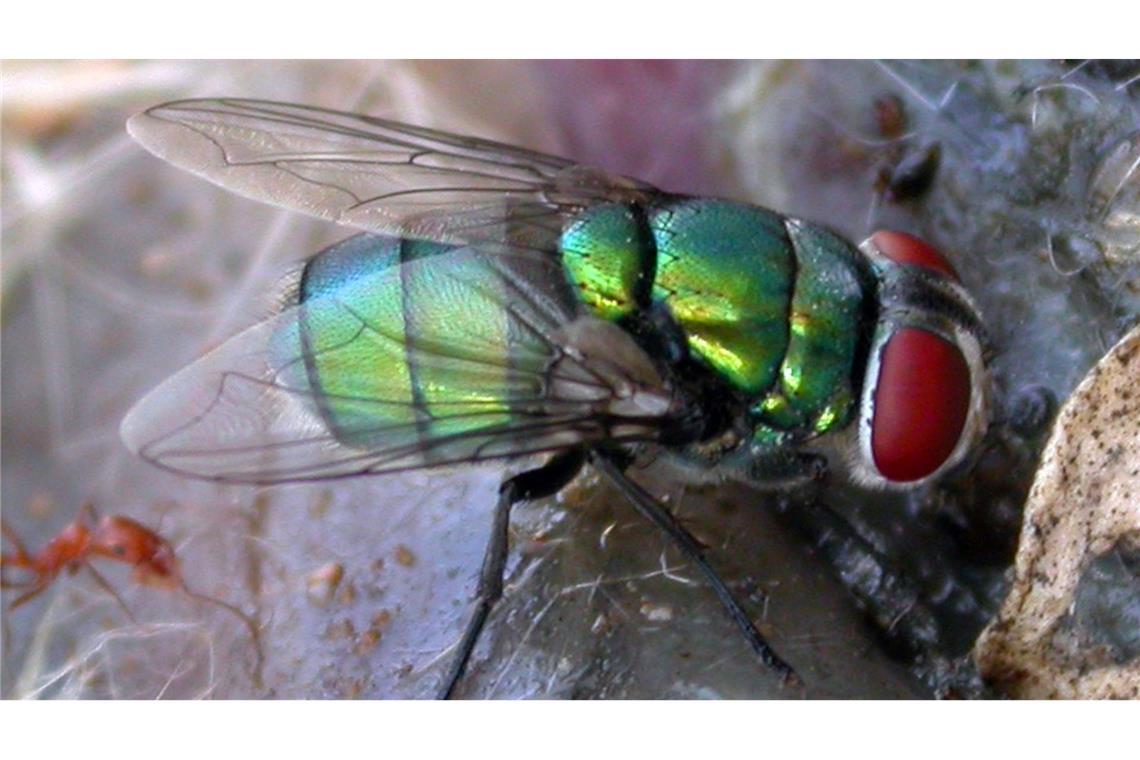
374 174
461 357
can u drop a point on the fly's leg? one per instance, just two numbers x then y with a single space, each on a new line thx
785 470
891 599
650 508
889 596
533 484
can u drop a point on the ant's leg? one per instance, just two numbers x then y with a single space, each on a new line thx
111 590
650 508
533 484
6 584
88 512
30 595
22 559
247 621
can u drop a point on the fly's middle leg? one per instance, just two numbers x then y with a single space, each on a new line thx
532 484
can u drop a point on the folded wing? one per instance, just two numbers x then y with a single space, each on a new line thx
463 356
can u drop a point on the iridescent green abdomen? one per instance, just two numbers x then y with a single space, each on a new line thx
373 315
609 256
771 304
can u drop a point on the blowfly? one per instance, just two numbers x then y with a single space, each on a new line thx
503 304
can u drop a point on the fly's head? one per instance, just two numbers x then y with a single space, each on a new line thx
923 405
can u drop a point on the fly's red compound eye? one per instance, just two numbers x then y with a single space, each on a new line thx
922 400
909 250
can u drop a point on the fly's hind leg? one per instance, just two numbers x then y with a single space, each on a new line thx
650 508
532 484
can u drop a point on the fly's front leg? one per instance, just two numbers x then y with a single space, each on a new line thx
533 484
650 508
785 470
888 596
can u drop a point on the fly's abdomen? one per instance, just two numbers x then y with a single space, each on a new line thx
609 256
772 305
389 347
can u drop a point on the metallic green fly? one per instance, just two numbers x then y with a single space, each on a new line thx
506 304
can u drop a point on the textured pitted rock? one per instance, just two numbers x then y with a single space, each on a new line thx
1084 505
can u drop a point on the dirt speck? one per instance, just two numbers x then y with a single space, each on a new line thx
404 556
322 583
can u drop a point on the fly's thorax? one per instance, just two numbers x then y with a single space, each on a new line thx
722 270
829 316
924 396
766 312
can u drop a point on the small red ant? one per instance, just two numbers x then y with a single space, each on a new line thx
114 537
